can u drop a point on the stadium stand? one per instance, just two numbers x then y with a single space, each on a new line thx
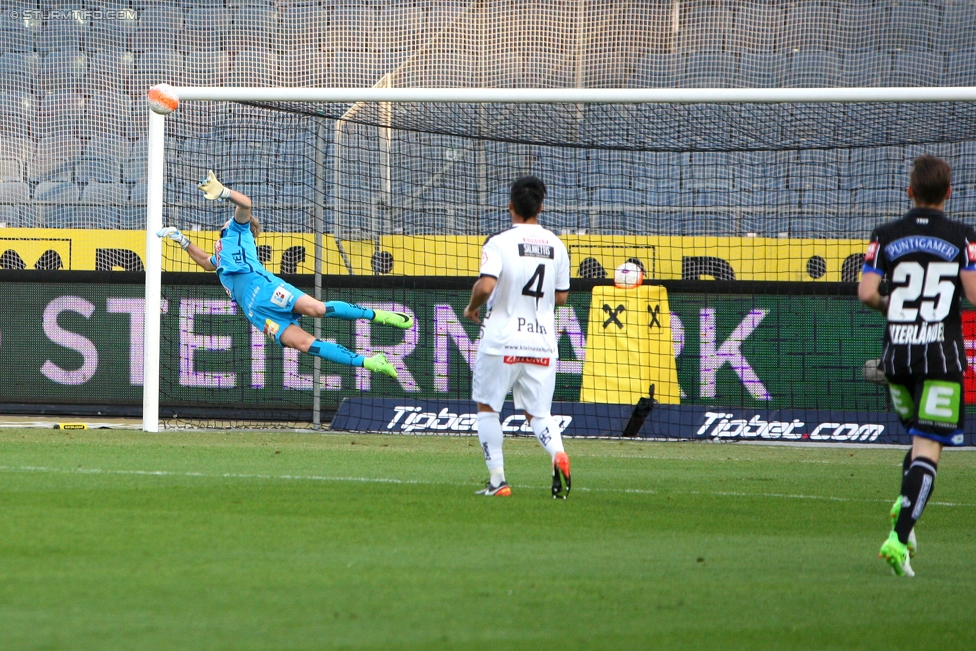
17 35
808 25
300 27
813 69
762 70
110 70
103 200
253 27
865 68
155 67
254 67
18 71
113 35
14 197
56 204
100 170
703 26
856 28
917 68
303 68
910 25
655 71
71 91
957 30
206 67
961 68
206 27
62 35
707 69
157 24
59 113
16 114
63 71
11 169
757 26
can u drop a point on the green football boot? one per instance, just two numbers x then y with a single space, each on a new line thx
395 319
896 555
378 364
912 541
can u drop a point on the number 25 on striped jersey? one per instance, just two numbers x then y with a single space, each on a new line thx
935 282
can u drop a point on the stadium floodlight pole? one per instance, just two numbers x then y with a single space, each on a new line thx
583 95
154 256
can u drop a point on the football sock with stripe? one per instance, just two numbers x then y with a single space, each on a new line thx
905 464
916 489
547 433
491 437
347 311
335 353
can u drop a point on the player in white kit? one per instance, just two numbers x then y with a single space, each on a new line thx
524 276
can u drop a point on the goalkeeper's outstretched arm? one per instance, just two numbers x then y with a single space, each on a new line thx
197 254
242 212
214 190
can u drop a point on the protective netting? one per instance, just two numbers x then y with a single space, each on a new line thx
408 209
749 192
391 170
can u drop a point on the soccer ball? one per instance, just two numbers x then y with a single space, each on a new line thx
627 276
163 99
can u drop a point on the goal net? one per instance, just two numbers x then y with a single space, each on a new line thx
750 208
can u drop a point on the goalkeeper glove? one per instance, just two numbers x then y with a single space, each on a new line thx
175 235
212 188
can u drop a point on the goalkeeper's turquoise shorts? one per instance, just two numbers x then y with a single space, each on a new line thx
267 301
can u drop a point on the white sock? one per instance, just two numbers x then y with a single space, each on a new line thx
548 434
490 435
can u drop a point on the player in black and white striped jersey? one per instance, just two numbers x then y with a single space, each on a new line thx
929 262
524 276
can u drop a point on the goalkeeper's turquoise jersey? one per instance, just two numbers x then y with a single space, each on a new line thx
236 256
236 252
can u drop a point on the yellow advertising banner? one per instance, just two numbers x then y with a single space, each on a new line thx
663 258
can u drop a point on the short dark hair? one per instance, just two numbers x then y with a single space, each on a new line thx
527 195
930 180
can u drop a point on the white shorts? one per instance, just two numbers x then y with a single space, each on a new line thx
531 383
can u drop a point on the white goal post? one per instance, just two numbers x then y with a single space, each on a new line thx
156 144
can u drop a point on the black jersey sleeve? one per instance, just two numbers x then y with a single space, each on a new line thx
874 258
969 255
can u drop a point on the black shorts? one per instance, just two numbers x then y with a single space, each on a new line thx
930 406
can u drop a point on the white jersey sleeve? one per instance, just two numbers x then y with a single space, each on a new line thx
530 264
491 258
562 268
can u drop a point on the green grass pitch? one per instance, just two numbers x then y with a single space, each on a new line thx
239 541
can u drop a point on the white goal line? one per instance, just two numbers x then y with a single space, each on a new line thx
422 482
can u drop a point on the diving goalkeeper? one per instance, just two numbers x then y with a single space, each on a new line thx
270 304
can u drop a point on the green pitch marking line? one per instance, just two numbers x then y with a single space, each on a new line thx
405 482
